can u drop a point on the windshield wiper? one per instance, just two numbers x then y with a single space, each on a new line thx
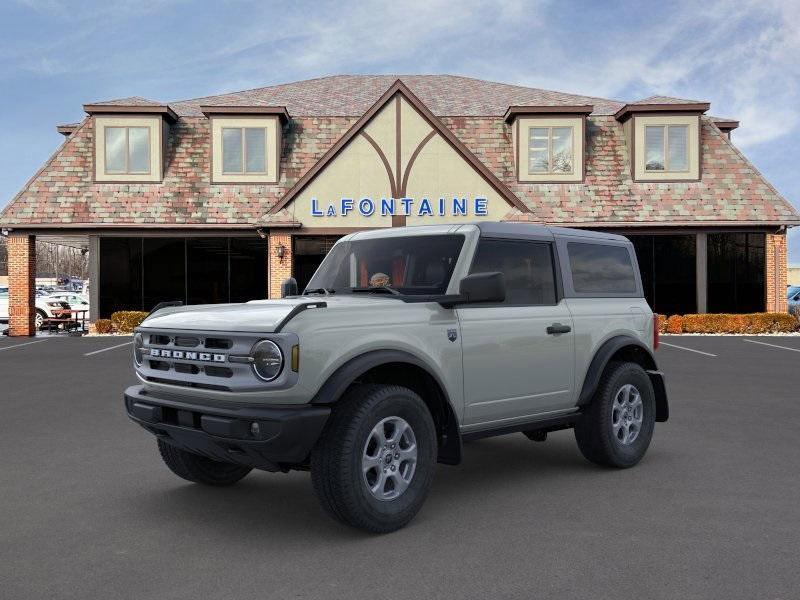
321 290
375 290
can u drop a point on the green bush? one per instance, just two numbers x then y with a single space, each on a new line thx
103 326
125 321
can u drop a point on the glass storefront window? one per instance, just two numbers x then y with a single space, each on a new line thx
736 272
138 273
669 272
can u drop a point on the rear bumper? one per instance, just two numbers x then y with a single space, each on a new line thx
284 435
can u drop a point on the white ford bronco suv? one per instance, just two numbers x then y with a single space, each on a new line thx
406 343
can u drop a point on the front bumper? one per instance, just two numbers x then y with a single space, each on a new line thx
284 436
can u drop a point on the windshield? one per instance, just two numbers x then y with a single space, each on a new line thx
406 264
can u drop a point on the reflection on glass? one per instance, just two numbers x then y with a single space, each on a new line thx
678 146
115 150
255 149
562 149
138 150
538 159
231 150
654 148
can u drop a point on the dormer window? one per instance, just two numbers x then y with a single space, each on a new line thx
666 148
245 143
244 150
129 140
548 142
127 150
550 150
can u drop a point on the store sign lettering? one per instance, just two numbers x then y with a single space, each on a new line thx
388 207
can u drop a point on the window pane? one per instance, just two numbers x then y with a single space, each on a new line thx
115 149
120 271
678 140
562 149
537 161
736 272
601 269
538 150
256 152
139 149
248 270
527 267
207 270
164 271
654 148
231 150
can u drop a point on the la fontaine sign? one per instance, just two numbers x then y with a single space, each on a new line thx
390 207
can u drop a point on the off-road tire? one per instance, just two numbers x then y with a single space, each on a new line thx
336 461
199 469
594 431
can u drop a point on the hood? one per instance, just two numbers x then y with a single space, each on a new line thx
260 316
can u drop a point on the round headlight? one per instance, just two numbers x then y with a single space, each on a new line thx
267 360
138 344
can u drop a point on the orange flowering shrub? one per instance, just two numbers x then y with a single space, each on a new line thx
727 323
674 324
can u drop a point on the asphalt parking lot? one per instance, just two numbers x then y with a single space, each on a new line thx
87 509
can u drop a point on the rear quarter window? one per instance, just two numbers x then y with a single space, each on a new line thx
601 269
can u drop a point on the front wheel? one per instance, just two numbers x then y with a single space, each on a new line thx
373 466
616 428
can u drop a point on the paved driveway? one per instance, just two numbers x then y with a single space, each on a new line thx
87 510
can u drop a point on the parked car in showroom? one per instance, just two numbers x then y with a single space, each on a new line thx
406 343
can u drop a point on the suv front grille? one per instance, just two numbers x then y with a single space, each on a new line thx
190 358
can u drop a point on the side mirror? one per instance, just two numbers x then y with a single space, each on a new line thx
289 287
482 287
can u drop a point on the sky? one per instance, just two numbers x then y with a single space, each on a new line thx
742 56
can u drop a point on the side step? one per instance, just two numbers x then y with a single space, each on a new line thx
531 428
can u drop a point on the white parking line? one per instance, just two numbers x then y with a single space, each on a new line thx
20 345
771 345
688 349
109 348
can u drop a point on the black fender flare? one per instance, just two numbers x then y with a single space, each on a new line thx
341 379
645 357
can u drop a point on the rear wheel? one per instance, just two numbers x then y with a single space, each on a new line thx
199 469
374 463
616 428
39 318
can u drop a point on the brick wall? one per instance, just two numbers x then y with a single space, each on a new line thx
776 270
21 284
279 269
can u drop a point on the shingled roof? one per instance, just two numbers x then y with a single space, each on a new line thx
731 191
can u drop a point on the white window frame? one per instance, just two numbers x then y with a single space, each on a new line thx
127 129
243 129
550 170
665 148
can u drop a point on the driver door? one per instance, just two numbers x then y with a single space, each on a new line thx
514 368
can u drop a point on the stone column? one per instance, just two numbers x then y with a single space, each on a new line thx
279 268
21 284
775 273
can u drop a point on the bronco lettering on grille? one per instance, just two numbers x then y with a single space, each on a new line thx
202 356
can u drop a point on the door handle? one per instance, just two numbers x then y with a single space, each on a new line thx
558 328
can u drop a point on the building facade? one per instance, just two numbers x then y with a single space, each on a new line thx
219 199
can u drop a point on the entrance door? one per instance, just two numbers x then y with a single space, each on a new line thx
514 368
309 251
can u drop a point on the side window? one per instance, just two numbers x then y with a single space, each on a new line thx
601 269
527 266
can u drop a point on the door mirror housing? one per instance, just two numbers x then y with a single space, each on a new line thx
479 287
289 287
